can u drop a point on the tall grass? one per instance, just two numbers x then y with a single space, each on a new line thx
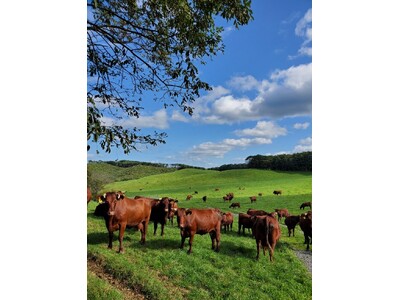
163 271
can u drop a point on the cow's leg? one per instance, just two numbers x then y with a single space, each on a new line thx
212 236
190 242
155 227
110 239
307 242
162 229
144 231
258 248
294 229
239 229
120 237
271 250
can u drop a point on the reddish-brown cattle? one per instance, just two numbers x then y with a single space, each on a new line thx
282 212
188 197
305 204
89 195
267 233
277 192
291 222
253 199
173 208
306 225
123 212
200 221
245 221
235 204
227 220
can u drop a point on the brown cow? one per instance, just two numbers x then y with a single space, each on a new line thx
188 197
227 220
200 221
245 222
291 222
179 213
89 195
123 212
305 204
267 233
253 199
235 204
172 208
282 212
259 212
306 225
277 192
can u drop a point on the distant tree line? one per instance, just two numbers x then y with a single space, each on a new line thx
283 162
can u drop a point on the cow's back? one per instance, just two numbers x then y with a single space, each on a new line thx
204 220
134 211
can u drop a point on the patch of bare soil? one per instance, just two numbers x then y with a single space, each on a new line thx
306 258
128 292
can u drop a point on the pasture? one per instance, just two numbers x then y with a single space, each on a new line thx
160 270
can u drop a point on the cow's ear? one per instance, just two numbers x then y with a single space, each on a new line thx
188 212
120 196
176 201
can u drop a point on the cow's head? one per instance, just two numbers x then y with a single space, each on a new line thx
183 218
111 198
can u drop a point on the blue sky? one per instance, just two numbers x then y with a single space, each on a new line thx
261 99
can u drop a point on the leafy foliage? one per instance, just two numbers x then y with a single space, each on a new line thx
284 162
138 50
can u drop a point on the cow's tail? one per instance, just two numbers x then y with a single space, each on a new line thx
267 229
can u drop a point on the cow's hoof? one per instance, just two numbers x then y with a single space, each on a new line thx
121 251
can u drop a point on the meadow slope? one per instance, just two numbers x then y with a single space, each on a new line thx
160 270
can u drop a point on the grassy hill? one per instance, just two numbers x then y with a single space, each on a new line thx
160 270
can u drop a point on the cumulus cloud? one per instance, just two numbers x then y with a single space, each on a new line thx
301 125
304 30
177 116
285 93
221 148
304 145
263 129
158 120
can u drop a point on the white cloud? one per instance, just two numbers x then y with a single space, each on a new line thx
177 116
304 145
304 30
263 129
301 125
158 120
221 148
285 93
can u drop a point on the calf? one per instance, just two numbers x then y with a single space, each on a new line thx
235 204
306 225
305 204
245 221
253 199
282 212
277 192
227 220
291 222
123 212
267 233
200 221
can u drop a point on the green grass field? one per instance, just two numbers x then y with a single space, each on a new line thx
160 270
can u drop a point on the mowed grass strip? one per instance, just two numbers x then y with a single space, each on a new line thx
163 271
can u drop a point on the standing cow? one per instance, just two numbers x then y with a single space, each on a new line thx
123 212
305 204
172 208
200 221
267 232
291 222
277 192
282 212
253 199
306 225
227 221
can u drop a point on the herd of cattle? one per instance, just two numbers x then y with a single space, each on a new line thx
121 212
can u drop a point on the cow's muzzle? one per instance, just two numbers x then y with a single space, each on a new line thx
111 213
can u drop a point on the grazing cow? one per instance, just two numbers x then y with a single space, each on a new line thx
306 225
188 197
277 192
291 222
282 212
200 221
123 212
267 233
89 195
305 204
172 209
204 198
227 220
253 199
235 204
245 221
216 189
260 194
196 192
